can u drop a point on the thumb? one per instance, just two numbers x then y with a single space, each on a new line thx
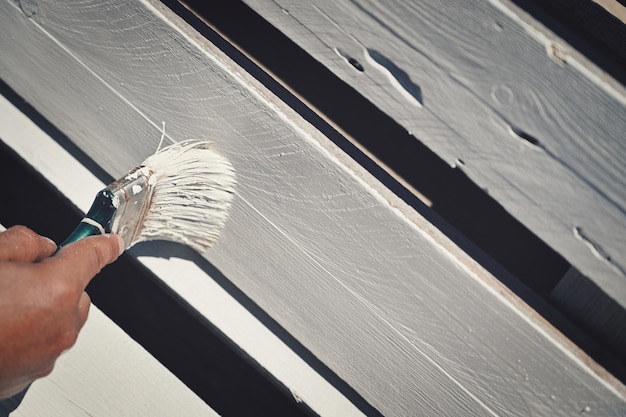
81 261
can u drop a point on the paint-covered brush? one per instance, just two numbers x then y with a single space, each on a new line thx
182 193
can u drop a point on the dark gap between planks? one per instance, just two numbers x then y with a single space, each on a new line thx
586 26
485 226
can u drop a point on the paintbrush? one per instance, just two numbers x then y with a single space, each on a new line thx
182 193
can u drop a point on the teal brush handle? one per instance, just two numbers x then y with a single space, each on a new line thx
102 212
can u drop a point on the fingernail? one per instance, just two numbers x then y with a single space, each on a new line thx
121 244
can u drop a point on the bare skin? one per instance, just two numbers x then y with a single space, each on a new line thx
43 303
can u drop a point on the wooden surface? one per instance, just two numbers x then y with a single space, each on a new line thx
214 302
519 111
374 291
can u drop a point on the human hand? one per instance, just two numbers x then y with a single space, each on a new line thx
43 303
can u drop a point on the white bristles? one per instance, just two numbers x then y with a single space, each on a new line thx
193 192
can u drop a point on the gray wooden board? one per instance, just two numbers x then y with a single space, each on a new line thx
484 71
360 279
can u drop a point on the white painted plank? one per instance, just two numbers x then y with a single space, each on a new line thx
486 71
108 374
359 278
184 276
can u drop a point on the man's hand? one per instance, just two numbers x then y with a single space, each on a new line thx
43 303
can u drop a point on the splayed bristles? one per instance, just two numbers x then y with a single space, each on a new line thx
193 191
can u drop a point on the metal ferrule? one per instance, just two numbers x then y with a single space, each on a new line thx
132 196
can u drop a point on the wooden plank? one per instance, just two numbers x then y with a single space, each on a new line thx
106 373
360 279
213 301
512 105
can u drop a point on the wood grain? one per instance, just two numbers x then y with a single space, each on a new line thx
535 124
374 291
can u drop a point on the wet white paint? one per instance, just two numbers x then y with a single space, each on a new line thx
193 191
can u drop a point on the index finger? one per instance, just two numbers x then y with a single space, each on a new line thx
81 261
19 243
